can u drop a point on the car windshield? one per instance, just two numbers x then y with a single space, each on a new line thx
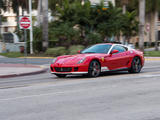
101 48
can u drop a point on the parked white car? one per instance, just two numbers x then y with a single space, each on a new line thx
10 43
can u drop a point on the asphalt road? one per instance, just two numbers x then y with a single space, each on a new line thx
112 96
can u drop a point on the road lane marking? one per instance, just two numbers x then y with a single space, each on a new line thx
152 59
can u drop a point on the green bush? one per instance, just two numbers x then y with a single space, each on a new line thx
73 49
57 51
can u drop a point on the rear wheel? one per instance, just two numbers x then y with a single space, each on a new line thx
60 75
94 69
136 65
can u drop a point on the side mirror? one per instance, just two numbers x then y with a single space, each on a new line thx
78 51
114 51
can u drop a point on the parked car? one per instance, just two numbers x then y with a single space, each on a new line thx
11 43
99 58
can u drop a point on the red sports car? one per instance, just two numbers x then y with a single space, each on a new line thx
99 58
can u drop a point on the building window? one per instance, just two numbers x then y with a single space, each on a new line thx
5 29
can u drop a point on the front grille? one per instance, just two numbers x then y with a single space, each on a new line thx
76 69
63 69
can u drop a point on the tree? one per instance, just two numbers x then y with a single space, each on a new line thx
45 24
152 8
110 22
53 4
142 23
77 14
128 5
39 15
2 8
65 34
130 25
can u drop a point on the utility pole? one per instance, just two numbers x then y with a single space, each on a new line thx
45 24
141 24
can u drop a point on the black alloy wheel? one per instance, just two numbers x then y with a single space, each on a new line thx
60 75
136 65
94 69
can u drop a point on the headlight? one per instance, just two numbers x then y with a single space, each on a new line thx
82 60
54 60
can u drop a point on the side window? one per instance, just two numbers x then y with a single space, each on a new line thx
119 48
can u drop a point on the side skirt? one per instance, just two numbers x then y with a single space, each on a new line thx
121 69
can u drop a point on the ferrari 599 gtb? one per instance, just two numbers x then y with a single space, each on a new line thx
99 58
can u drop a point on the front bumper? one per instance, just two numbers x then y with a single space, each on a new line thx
70 73
69 69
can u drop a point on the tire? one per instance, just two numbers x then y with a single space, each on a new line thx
136 65
60 75
94 69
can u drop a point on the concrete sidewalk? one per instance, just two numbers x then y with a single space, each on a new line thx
13 70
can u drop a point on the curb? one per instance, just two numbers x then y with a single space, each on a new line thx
38 57
43 70
152 58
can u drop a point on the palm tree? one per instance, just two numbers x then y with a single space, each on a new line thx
45 24
124 3
39 16
2 7
142 23
152 8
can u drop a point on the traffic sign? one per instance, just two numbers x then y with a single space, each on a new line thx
25 22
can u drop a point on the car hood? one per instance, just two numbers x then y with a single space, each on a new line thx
74 59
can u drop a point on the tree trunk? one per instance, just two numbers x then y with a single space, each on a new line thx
45 24
17 20
150 33
0 25
124 12
124 9
141 25
39 16
156 31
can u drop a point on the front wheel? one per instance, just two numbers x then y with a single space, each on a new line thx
60 75
94 69
136 65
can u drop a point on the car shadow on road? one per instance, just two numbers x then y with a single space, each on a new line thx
101 75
